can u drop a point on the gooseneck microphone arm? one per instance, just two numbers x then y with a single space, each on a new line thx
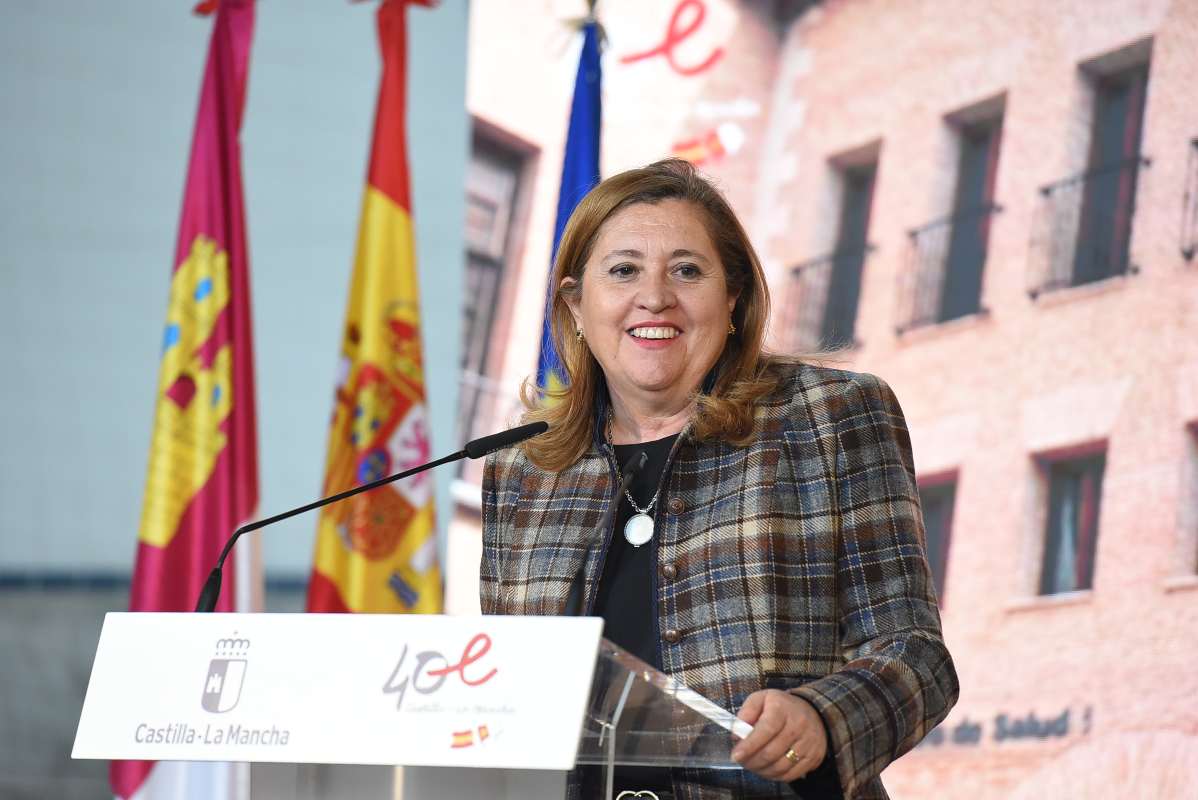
574 598
474 449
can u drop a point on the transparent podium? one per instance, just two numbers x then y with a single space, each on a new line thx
327 705
639 716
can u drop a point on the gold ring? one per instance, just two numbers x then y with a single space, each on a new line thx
792 756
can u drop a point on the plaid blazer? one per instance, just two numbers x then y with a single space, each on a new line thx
798 562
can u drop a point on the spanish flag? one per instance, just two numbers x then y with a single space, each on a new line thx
202 481
378 551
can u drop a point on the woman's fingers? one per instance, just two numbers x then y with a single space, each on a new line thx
766 711
766 724
782 724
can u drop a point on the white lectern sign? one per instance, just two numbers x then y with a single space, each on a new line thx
340 689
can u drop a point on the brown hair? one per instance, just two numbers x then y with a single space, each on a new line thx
744 372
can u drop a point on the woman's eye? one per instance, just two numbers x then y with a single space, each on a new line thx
688 271
623 270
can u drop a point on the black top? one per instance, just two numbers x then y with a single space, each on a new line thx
625 597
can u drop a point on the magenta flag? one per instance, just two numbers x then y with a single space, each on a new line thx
202 480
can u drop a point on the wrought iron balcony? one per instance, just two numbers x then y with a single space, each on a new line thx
943 276
1083 227
821 301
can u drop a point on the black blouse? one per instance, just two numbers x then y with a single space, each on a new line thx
625 597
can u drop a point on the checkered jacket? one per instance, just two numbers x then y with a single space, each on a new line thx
798 564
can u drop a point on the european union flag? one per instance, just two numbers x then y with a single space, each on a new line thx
580 174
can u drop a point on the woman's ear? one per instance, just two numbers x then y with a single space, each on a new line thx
571 292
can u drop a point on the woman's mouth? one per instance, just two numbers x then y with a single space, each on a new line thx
655 332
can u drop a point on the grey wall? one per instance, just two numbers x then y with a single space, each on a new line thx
98 104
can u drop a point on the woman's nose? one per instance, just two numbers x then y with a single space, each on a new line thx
655 293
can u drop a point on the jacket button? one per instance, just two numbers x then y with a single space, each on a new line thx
669 572
672 636
676 506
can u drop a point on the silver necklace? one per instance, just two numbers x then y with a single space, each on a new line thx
639 528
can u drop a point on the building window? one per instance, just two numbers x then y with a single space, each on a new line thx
844 280
492 189
948 254
1085 223
1074 497
820 311
937 501
490 196
1109 194
972 210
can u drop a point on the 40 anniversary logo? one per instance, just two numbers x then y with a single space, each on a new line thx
429 671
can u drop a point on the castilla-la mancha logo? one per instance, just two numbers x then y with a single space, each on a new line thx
226 673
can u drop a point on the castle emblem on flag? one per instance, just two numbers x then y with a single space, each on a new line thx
226 675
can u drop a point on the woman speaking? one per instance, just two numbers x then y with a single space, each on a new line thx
770 552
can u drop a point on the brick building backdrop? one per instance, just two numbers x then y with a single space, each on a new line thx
992 204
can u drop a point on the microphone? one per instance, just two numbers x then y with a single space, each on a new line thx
503 440
473 449
574 598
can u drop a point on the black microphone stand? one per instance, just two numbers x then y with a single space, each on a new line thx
473 449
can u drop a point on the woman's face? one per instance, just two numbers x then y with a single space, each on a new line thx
654 305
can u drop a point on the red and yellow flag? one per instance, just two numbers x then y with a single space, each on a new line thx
202 480
378 551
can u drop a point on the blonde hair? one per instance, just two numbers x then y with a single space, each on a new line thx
744 372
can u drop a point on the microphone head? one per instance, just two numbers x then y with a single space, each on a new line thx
631 467
634 464
504 439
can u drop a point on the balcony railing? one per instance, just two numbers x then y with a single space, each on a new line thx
485 406
1083 227
821 301
943 276
1189 210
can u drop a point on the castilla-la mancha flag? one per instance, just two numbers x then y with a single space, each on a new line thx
378 551
202 480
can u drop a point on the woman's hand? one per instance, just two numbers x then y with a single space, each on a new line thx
788 738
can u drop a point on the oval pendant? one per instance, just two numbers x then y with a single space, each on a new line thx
638 530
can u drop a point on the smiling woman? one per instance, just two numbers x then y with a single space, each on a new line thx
772 555
655 309
656 245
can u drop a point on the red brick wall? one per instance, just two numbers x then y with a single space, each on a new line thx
1114 362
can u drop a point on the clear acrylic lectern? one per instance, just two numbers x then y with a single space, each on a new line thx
638 715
